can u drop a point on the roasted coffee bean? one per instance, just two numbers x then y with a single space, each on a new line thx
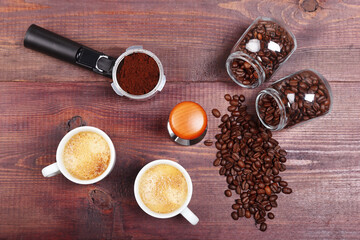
246 205
229 165
208 143
234 103
245 185
244 195
235 156
228 193
287 190
232 186
260 191
268 190
275 171
241 212
217 162
216 113
229 179
283 183
263 227
268 207
247 214
262 213
237 168
266 179
273 198
224 118
252 210
238 189
245 200
271 215
257 215
274 204
242 98
235 215
241 164
232 109
282 152
227 97
235 182
277 179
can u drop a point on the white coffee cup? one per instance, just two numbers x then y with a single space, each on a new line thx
58 166
183 210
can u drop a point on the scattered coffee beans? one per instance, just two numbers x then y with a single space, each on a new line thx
301 97
227 97
216 113
263 227
235 215
266 44
228 193
208 143
251 161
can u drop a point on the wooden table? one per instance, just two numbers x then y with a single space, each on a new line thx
41 98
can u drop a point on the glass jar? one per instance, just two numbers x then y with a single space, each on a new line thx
294 99
259 52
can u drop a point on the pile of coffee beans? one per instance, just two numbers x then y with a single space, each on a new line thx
251 161
268 43
304 95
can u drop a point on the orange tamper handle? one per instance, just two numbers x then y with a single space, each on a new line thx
188 120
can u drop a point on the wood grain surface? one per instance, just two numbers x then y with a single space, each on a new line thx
42 98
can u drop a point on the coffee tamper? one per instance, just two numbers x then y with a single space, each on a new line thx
187 123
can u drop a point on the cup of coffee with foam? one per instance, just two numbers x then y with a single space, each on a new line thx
85 155
163 189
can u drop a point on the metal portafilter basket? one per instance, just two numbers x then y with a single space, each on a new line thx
54 45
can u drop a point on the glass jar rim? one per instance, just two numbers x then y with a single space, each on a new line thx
276 96
253 62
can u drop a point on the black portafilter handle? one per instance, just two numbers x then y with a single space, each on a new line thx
54 45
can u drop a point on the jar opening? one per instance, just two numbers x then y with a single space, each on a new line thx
244 70
271 110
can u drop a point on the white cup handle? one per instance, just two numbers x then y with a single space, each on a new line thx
190 216
50 170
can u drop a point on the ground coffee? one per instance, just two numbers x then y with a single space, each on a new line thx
138 74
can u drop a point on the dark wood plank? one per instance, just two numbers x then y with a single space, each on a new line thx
41 98
323 166
192 38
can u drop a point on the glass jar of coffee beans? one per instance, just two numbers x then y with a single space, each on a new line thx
260 51
294 99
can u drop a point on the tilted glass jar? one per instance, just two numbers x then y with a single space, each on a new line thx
259 52
294 99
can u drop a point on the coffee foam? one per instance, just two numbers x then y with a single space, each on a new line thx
86 155
163 188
